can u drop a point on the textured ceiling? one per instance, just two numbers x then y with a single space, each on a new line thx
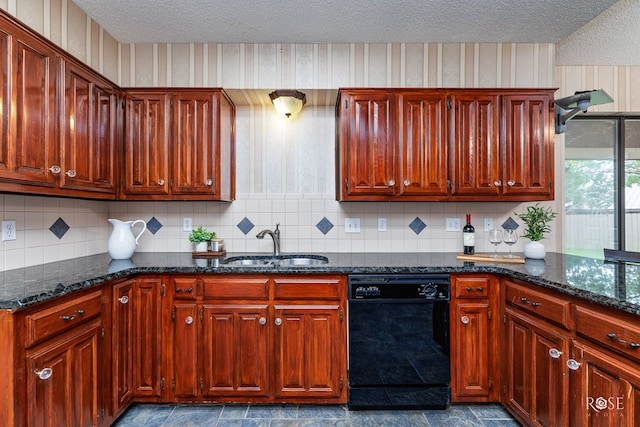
342 21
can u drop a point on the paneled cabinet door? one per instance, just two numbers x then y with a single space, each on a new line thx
536 386
63 380
309 348
605 390
122 346
28 152
235 353
368 145
147 337
146 153
475 160
89 136
528 146
186 381
423 147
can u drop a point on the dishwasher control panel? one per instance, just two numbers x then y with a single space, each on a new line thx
399 287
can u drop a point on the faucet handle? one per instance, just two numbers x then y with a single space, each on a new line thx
277 230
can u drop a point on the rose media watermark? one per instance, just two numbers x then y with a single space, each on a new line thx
596 405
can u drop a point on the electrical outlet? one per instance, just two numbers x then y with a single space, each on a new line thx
382 224
488 224
452 224
187 224
352 225
9 230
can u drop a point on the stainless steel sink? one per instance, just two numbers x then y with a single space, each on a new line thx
275 261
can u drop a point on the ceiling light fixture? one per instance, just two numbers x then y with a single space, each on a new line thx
288 102
567 108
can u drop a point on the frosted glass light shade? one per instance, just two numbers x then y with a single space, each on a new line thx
288 102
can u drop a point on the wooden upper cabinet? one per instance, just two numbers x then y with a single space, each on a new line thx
475 159
179 145
367 145
528 145
146 144
28 90
423 145
89 137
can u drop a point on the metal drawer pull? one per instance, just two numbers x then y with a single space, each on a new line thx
392 182
555 353
55 169
73 316
573 364
464 320
161 181
478 289
535 304
407 182
524 300
511 183
632 345
44 374
124 299
262 321
278 321
70 173
188 320
208 182
497 183
187 290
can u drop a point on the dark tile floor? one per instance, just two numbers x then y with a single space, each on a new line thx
309 416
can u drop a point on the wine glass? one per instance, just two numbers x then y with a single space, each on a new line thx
510 237
495 237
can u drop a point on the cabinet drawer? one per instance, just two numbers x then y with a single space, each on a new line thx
236 287
185 287
310 288
472 287
613 332
550 308
53 320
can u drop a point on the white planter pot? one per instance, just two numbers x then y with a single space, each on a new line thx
534 250
202 246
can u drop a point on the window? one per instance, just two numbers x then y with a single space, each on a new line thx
602 184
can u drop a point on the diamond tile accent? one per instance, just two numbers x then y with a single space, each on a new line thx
153 225
59 228
324 225
417 225
510 224
245 225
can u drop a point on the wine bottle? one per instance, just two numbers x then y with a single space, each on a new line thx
469 237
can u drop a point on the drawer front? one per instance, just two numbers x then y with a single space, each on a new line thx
236 287
613 332
51 321
546 306
308 288
185 287
471 287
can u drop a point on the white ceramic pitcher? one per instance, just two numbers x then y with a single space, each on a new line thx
122 244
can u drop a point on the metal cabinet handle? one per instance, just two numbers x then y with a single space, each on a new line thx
188 320
208 182
73 316
161 181
524 300
497 183
392 182
278 321
407 182
632 345
555 353
44 374
70 173
573 364
124 299
478 289
186 291
262 321
511 183
464 320
535 304
55 169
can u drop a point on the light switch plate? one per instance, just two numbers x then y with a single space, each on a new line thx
352 225
488 224
452 224
187 224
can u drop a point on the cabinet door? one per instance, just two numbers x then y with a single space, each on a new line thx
309 346
122 345
476 145
536 384
368 145
605 390
196 148
423 147
186 379
28 145
146 150
89 133
234 353
147 336
69 396
528 146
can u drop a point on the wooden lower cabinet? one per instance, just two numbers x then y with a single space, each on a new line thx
122 343
535 383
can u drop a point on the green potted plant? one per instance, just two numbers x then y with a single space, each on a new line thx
537 220
201 237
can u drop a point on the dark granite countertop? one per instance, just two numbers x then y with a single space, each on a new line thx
612 284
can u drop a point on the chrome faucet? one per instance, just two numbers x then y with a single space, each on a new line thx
275 235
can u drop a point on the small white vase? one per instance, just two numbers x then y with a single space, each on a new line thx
534 250
202 246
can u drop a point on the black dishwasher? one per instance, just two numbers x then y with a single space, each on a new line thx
399 341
